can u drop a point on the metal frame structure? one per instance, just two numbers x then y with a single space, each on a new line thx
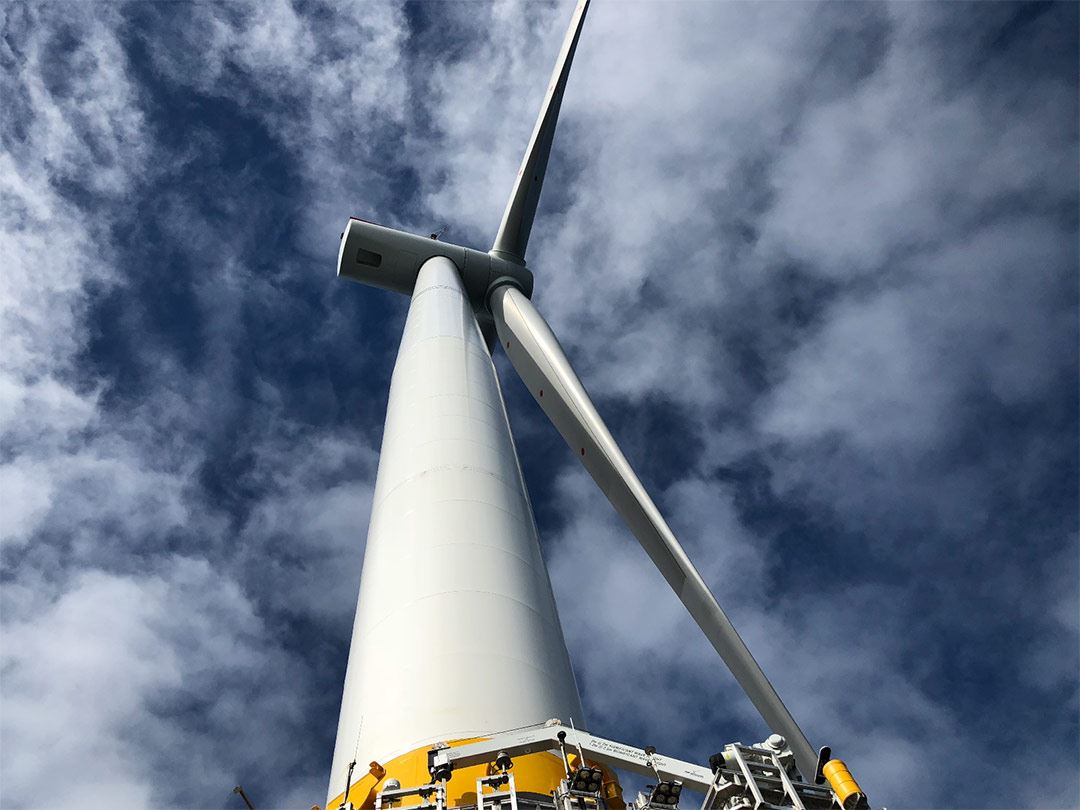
752 776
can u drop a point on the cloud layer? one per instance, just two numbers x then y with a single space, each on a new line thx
817 263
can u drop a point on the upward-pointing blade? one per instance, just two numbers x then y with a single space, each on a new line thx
538 358
517 219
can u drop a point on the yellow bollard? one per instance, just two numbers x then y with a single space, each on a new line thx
845 787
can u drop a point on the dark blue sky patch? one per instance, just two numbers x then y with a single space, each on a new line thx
659 437
1035 35
13 59
435 36
802 537
988 43
850 52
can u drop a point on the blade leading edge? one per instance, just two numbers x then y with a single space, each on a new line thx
513 235
538 358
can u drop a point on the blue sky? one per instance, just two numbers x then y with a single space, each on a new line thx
816 263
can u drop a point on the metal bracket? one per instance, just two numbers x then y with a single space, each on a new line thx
433 797
496 797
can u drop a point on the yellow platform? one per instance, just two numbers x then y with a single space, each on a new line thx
538 773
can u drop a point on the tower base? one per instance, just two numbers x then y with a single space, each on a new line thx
552 767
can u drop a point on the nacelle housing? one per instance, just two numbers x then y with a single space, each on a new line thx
390 259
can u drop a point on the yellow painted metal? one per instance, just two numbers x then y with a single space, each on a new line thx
533 773
845 787
610 788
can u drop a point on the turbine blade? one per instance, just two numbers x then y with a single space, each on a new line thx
517 219
538 358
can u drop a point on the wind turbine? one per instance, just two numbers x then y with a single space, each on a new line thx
456 640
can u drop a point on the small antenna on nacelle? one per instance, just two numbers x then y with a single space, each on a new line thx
439 232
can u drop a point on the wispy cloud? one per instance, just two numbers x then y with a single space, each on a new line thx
817 265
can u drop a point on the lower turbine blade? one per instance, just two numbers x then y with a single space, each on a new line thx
538 358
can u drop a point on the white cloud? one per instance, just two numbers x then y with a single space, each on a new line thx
119 651
709 156
90 132
319 515
26 491
91 674
910 160
332 89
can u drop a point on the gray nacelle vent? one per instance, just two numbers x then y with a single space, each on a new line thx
368 258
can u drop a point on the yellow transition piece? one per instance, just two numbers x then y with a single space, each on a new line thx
533 773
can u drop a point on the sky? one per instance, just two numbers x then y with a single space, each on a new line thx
816 263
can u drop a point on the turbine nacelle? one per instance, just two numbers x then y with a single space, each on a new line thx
391 259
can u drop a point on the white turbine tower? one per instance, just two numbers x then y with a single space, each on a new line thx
457 658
